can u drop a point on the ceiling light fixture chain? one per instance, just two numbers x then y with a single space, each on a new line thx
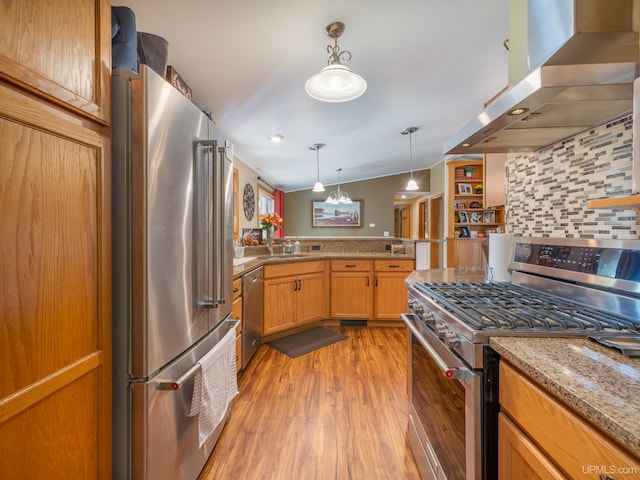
318 187
411 185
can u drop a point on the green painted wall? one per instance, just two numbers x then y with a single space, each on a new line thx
377 195
437 178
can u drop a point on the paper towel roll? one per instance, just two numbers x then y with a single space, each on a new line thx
499 250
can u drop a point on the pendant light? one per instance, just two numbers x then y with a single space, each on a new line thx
318 187
412 185
335 82
338 195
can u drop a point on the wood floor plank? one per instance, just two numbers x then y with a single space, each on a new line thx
340 412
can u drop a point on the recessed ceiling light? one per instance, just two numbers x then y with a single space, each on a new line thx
466 145
277 138
518 111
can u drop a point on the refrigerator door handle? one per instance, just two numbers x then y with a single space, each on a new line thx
177 384
219 225
205 287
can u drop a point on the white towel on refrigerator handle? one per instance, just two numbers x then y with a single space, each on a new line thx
215 385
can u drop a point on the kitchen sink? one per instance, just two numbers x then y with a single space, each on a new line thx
242 260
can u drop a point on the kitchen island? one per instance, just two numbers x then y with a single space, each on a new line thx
594 382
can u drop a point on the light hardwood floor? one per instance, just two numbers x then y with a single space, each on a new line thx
340 412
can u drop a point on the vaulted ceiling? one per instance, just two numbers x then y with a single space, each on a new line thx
428 63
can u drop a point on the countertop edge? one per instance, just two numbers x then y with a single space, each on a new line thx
263 260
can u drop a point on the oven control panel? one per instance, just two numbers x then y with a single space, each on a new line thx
614 263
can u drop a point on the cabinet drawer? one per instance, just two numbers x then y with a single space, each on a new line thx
236 311
556 429
237 288
393 265
350 265
293 268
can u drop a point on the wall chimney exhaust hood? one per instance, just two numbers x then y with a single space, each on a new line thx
578 60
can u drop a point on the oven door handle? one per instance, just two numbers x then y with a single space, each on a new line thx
452 373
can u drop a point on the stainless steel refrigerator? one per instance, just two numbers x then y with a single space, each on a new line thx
172 271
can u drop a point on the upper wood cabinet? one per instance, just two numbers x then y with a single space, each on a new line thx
494 179
55 197
60 51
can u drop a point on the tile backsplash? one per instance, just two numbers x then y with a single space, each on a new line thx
547 190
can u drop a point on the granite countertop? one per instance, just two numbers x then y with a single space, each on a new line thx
598 382
271 259
458 274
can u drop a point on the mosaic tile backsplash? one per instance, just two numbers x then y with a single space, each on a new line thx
547 190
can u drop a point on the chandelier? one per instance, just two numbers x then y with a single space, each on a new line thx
411 185
318 187
335 82
338 195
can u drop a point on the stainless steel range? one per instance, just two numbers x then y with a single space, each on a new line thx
560 287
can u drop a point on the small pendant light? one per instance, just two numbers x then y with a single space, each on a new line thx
318 187
412 185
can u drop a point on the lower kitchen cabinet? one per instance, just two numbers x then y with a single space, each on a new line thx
390 295
294 294
351 289
365 289
520 457
237 314
540 437
466 252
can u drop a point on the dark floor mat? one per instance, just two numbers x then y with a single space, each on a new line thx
304 342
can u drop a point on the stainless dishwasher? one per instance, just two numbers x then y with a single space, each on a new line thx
252 298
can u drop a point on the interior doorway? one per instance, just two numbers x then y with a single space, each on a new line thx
402 221
431 227
436 231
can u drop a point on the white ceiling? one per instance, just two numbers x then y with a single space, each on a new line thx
428 63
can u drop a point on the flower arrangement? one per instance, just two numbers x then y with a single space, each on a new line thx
268 220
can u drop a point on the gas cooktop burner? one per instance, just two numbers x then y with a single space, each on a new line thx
506 306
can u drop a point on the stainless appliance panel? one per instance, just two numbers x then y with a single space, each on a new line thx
446 399
166 172
164 128
252 312
168 441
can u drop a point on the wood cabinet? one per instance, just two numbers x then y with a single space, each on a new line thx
495 180
469 214
351 289
539 434
467 252
61 52
294 294
365 289
55 314
236 313
520 457
390 292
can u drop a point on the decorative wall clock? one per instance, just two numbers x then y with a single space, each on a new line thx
248 201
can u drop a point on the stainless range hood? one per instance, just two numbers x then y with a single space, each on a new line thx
578 59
